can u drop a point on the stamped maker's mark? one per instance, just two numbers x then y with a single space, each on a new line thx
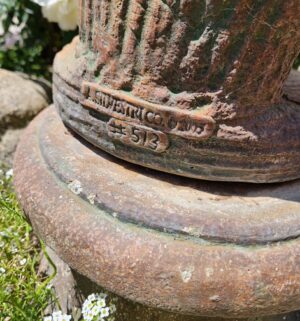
136 135
144 121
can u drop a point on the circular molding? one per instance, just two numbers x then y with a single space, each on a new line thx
168 242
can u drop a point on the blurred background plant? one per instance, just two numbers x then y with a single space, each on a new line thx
29 41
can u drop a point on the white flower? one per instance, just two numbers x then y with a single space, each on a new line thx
88 316
95 308
87 305
8 290
63 12
23 262
101 303
14 249
101 296
9 173
48 318
56 314
104 312
65 317
91 297
4 234
2 270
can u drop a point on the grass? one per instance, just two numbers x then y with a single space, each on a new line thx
24 294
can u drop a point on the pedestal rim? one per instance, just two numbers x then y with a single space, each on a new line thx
237 214
152 267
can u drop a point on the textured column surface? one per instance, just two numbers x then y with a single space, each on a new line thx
194 51
192 87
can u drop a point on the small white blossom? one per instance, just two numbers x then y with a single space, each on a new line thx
9 173
59 316
96 308
2 270
91 297
104 312
56 315
65 317
101 303
23 262
8 290
88 316
4 234
14 249
47 318
101 296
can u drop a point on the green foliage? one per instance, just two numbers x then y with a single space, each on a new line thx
28 42
24 294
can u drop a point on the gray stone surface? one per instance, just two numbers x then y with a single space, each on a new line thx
8 143
69 298
21 100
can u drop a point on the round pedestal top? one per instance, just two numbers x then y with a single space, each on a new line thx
183 245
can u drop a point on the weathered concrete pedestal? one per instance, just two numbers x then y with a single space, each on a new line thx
193 248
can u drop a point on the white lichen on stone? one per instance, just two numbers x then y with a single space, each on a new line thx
215 298
91 198
209 272
187 273
75 187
